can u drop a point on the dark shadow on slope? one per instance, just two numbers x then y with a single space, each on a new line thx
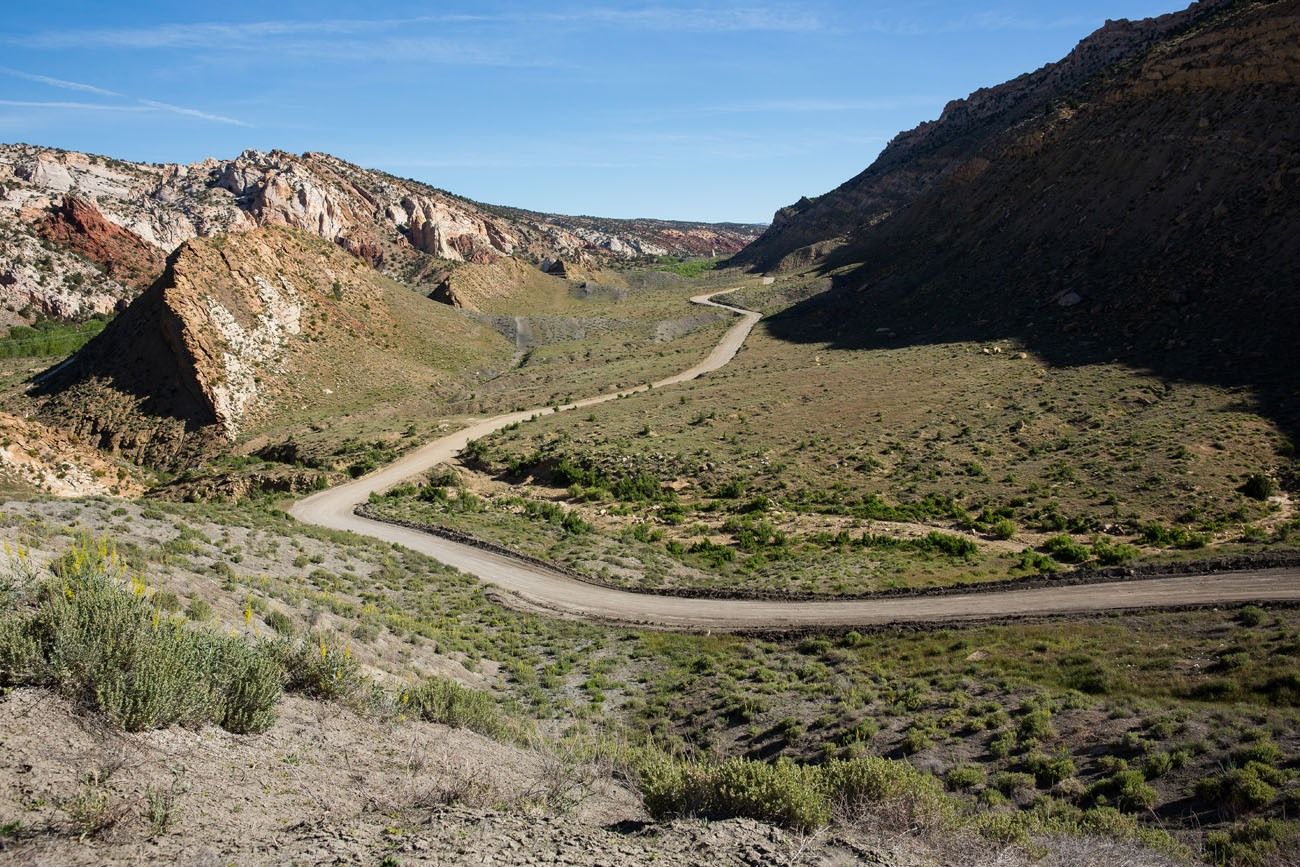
132 390
1246 340
1155 225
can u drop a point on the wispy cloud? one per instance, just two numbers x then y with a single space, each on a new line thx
208 35
237 36
809 106
58 82
190 112
135 105
989 21
700 19
72 106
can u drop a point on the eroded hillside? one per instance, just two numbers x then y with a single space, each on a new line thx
248 327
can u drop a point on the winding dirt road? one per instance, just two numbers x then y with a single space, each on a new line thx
534 587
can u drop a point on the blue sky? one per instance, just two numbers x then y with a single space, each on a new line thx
688 110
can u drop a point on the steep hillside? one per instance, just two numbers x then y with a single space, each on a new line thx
1149 219
243 329
404 228
915 161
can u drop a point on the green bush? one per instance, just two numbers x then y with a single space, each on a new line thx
789 795
447 702
569 521
1010 783
964 777
1126 788
1241 789
1110 553
199 610
1250 844
1172 537
858 786
109 646
278 621
1002 528
253 680
916 740
1251 615
318 666
1157 765
1264 751
783 794
1036 725
1258 487
21 657
934 541
1050 770
1066 549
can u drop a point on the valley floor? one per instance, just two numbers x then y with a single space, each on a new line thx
1175 730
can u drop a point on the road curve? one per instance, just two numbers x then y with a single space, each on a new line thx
538 588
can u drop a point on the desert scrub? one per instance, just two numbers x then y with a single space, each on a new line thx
1249 843
800 797
320 666
98 638
783 793
447 702
1065 549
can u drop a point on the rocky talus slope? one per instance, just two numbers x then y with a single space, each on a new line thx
402 227
35 456
240 327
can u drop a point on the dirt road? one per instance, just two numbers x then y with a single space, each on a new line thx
534 587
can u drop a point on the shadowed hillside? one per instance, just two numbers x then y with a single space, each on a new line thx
1148 216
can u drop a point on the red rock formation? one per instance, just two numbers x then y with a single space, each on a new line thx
78 225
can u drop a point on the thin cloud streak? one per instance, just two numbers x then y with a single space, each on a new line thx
141 105
216 35
981 22
72 106
235 36
58 82
810 106
191 112
699 19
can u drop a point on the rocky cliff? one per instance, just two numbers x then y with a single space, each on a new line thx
239 328
806 232
402 227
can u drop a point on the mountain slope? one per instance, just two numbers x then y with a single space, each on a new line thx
915 161
243 329
1150 219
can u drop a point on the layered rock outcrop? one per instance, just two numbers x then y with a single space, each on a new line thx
235 329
